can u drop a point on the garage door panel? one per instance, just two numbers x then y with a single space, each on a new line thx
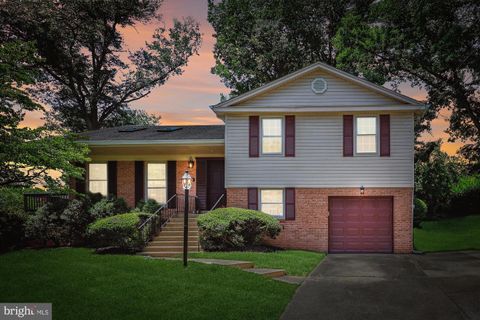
360 224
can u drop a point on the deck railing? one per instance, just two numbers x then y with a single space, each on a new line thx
33 201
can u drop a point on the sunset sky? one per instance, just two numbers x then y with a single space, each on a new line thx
185 99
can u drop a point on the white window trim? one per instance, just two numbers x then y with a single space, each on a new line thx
146 179
280 217
87 174
377 136
282 137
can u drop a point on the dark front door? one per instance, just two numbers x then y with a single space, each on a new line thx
210 181
215 181
360 224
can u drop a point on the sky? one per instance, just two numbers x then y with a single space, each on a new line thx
185 99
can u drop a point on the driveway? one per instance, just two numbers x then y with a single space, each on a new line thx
376 286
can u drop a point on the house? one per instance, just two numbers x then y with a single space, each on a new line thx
327 153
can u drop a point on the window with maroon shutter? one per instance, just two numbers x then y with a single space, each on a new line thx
289 136
112 178
347 135
385 135
139 181
254 135
290 204
253 198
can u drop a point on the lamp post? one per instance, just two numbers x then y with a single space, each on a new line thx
187 185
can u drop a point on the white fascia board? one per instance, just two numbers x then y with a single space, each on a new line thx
300 109
196 142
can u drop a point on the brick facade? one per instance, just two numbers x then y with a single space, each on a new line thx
309 230
181 167
126 181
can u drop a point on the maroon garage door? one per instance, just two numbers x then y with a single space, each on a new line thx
360 224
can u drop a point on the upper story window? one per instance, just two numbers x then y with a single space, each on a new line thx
271 202
366 135
97 178
272 139
156 182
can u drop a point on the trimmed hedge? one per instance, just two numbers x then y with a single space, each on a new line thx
235 228
419 212
119 231
466 197
12 218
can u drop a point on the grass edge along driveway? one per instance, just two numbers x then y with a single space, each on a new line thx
449 234
82 284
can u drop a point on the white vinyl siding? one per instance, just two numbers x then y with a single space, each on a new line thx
156 182
272 138
271 202
319 160
97 178
366 135
298 92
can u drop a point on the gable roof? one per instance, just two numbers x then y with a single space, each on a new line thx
402 99
129 135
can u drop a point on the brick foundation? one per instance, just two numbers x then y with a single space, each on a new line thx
309 230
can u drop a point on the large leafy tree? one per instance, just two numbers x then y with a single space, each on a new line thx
431 43
259 41
28 155
88 76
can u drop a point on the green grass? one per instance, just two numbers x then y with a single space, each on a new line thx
447 235
84 285
294 262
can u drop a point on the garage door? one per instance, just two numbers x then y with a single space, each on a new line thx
360 224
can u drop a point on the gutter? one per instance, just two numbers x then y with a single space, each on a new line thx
113 143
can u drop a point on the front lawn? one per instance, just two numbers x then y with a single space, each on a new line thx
447 235
294 262
83 285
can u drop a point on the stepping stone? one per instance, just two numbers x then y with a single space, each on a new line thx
290 279
271 273
225 263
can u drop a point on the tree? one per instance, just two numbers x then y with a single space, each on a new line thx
431 43
87 77
260 41
27 155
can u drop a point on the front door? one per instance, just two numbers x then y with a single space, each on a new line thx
210 181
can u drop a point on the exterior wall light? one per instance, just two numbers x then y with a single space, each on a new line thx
191 163
362 190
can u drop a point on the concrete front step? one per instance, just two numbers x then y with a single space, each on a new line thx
172 243
178 233
163 237
179 228
270 273
180 224
170 248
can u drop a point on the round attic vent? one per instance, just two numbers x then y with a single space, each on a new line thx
319 85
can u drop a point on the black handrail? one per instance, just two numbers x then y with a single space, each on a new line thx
218 201
33 201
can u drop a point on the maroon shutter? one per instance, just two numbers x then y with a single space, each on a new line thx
80 184
171 182
112 178
384 135
289 136
139 181
253 198
347 135
254 135
290 204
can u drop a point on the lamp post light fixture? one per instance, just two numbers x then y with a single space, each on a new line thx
187 185
191 163
362 190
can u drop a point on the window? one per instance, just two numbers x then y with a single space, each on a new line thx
271 202
272 136
156 182
97 178
366 135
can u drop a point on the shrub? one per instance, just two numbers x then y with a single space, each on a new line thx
12 217
466 196
48 223
235 228
419 212
119 231
149 206
93 198
108 207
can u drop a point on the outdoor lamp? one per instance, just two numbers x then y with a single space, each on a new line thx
186 181
362 190
191 163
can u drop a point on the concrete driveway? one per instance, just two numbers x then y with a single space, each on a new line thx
376 286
